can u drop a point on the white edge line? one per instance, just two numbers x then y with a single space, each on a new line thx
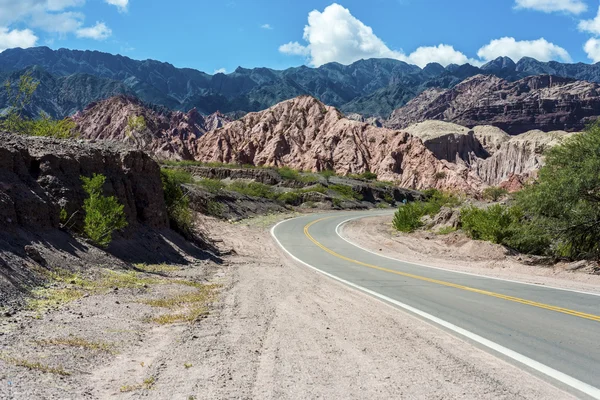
337 231
544 369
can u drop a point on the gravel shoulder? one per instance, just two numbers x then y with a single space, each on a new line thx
457 252
275 330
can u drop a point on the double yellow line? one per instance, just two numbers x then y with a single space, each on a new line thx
449 284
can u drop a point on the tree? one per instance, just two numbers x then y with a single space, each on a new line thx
103 215
135 124
566 196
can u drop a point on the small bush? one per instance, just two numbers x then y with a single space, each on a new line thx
494 193
446 230
287 173
254 189
291 198
327 173
215 208
346 192
177 202
389 198
103 215
439 176
408 217
368 175
494 224
212 185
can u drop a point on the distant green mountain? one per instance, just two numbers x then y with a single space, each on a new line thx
371 87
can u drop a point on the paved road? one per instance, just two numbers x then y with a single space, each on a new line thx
552 333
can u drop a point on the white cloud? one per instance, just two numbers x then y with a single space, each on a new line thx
335 35
16 38
220 71
592 49
539 49
97 32
591 25
548 6
64 22
120 4
267 27
294 49
443 54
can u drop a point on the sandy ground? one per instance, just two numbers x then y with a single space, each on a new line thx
457 252
277 331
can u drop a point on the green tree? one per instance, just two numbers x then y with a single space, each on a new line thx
103 215
566 196
135 125
494 193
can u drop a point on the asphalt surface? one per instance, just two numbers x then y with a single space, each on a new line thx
552 333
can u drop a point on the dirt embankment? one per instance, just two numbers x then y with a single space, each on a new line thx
274 330
457 252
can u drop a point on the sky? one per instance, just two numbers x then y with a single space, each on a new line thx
219 36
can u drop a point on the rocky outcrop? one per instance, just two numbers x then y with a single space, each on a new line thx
518 158
167 134
542 102
448 141
39 177
305 134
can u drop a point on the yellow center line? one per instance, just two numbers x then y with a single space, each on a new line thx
449 284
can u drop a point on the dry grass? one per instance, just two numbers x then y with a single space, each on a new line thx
147 384
78 342
34 366
46 298
188 307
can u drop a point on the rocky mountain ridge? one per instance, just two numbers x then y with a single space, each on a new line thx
543 102
373 87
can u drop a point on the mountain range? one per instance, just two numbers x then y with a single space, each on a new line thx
71 79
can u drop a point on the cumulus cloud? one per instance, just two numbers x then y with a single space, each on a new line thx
335 35
539 49
548 6
591 25
16 38
592 49
97 32
267 27
120 4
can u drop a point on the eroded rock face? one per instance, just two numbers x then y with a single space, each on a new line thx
542 102
168 135
305 134
40 176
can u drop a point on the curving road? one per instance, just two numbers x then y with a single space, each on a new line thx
553 333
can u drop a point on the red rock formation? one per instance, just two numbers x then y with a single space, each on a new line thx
168 135
305 134
542 102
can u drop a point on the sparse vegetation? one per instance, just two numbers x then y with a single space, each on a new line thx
186 307
494 193
446 230
346 192
178 203
215 208
103 215
408 217
157 268
34 366
77 342
147 384
212 185
439 176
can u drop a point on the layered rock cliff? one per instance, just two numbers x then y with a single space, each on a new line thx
542 102
167 134
305 134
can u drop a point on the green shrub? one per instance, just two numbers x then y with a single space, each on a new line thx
368 175
383 205
215 208
494 224
346 192
317 188
103 215
389 198
291 198
212 185
494 193
177 202
337 203
408 217
439 176
287 173
446 230
327 173
254 189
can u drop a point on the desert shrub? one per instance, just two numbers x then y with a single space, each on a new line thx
346 192
439 176
292 198
389 198
337 203
494 193
212 185
176 200
317 188
530 237
408 217
494 224
289 174
446 230
215 208
383 205
254 189
327 173
368 175
103 215
437 199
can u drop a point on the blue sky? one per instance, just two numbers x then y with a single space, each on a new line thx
215 35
